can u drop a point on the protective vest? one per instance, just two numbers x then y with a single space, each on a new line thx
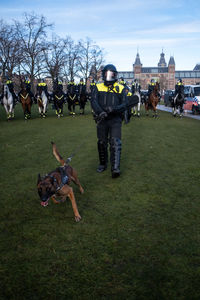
113 96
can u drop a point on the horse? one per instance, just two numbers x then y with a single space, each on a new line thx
177 103
136 108
72 99
25 99
82 97
152 100
59 99
8 102
42 101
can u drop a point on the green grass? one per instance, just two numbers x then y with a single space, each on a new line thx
139 237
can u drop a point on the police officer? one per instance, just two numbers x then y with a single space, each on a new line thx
151 86
179 87
135 86
92 85
28 88
122 81
10 85
108 103
43 86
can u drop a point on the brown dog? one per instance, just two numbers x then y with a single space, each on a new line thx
56 183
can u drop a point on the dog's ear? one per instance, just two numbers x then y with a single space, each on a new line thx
39 178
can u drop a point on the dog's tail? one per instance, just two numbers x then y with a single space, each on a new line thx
57 154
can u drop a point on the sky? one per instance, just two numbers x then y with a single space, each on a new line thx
123 28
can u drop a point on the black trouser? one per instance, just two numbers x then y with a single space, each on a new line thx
109 130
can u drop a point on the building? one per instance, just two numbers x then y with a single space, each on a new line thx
164 73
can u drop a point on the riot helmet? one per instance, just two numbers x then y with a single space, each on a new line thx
109 74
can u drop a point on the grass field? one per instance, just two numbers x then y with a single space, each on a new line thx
139 237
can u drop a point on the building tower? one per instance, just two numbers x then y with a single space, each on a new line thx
137 67
162 62
171 73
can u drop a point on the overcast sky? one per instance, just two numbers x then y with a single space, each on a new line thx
122 28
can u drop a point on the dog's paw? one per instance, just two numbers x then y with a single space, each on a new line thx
81 190
77 218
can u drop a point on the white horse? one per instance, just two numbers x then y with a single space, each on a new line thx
8 102
136 108
42 103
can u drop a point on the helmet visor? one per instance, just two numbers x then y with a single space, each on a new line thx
110 76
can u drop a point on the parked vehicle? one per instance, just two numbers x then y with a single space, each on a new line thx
192 98
168 96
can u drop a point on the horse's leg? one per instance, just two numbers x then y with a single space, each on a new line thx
181 109
6 109
147 109
138 108
29 109
70 107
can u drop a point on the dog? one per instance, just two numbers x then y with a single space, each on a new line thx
57 184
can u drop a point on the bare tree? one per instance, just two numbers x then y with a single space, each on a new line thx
9 49
56 57
91 58
32 34
71 67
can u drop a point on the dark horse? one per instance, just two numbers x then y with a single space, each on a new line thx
178 102
71 98
25 99
152 100
59 99
82 97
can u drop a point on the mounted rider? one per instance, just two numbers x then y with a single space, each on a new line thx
10 85
27 83
135 87
179 88
122 81
42 86
92 85
152 86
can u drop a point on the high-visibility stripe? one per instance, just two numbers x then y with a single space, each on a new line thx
117 88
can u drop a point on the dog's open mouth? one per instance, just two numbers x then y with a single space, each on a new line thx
44 203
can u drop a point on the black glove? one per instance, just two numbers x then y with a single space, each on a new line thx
102 115
109 109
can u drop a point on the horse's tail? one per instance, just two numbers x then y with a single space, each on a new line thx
57 154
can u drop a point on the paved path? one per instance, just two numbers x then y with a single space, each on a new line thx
187 113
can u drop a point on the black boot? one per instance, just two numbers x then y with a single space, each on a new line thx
115 154
103 156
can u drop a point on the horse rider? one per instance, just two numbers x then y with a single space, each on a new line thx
27 83
122 81
108 103
179 87
151 86
136 87
10 85
43 86
92 85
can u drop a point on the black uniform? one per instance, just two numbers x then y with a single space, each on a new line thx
10 85
135 87
108 103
